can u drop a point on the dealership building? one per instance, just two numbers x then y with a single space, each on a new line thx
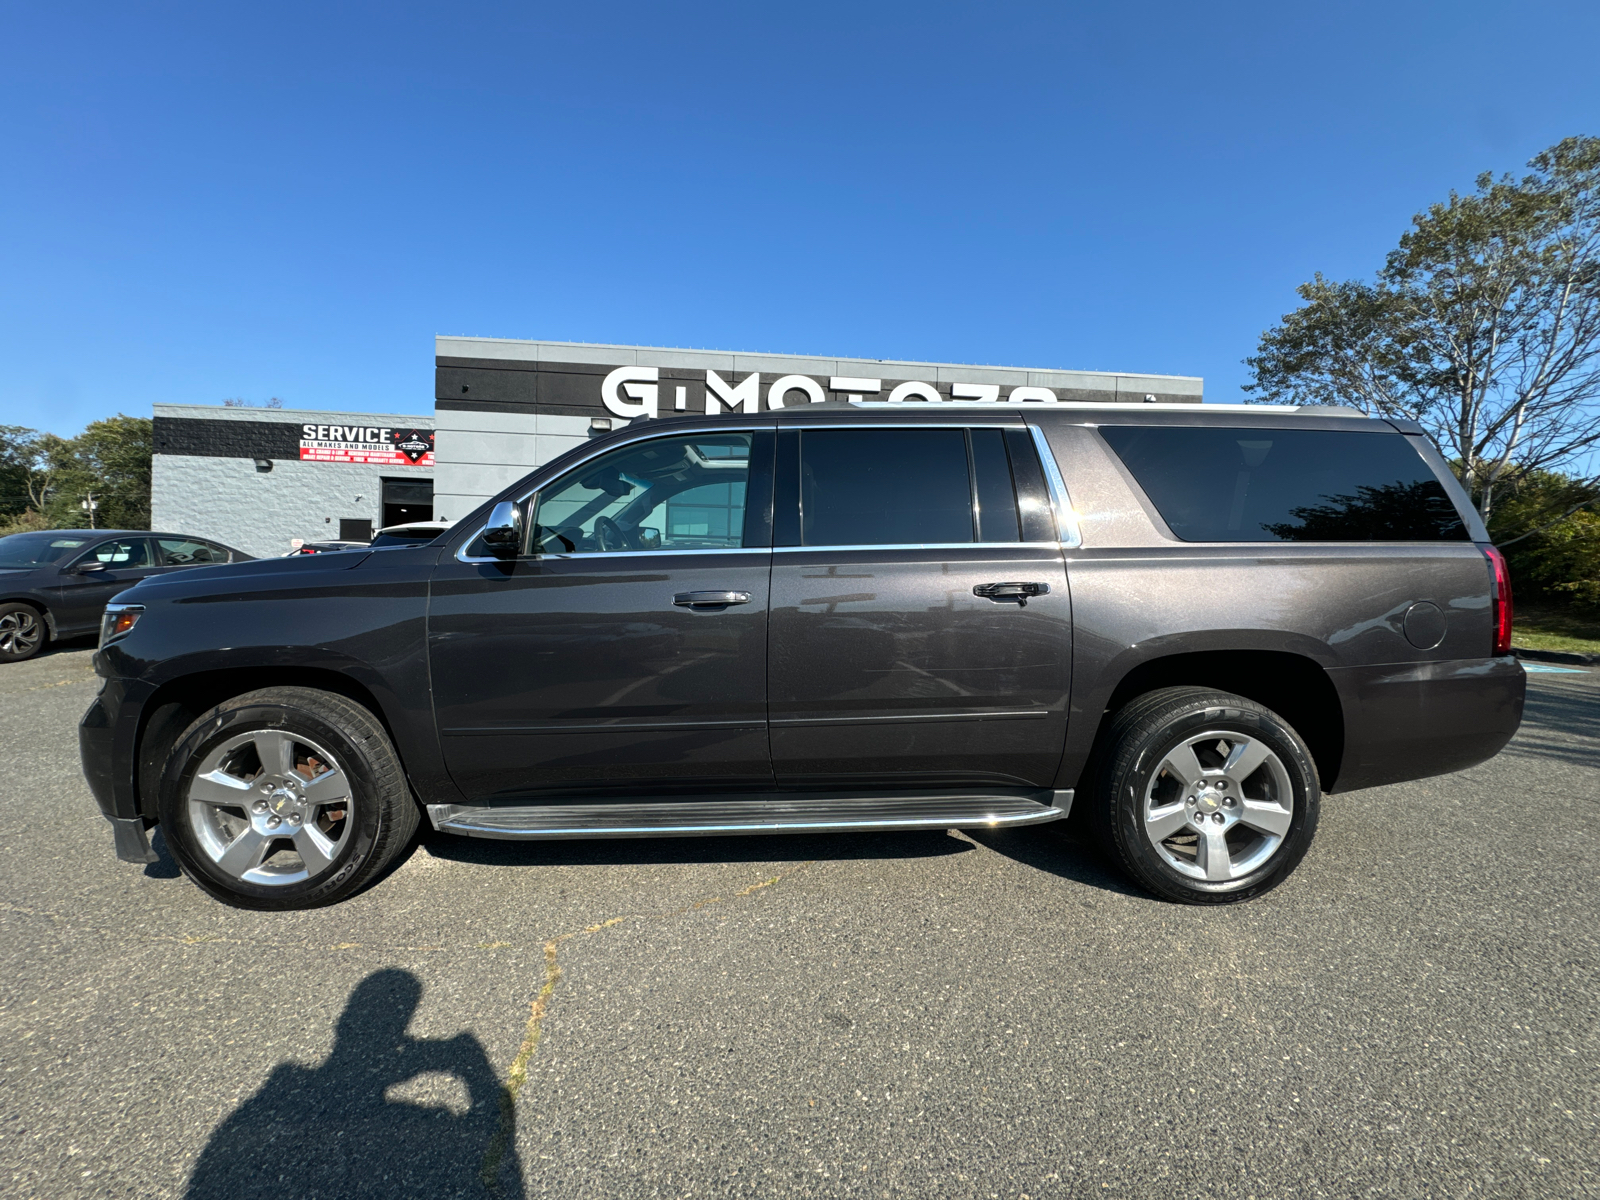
265 479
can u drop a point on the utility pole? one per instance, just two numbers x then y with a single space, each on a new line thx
89 504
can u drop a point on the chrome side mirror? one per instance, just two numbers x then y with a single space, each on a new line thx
502 536
89 568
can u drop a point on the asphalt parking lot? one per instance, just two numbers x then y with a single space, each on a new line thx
1412 1014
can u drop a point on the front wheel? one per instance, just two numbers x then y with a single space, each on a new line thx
1204 797
285 798
21 632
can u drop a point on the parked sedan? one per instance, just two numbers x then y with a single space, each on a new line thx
54 583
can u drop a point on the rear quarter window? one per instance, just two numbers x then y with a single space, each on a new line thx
1287 485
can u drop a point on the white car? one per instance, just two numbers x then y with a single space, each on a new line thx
413 533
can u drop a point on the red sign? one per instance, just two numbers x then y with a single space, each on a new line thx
374 444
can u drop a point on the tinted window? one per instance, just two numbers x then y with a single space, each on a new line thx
678 493
1291 485
135 552
22 551
997 498
186 552
884 487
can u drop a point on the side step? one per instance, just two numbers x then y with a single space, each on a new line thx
763 812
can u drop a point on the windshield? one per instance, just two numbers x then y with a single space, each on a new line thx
23 551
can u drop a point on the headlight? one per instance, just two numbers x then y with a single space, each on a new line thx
118 621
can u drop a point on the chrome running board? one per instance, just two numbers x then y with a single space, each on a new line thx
761 812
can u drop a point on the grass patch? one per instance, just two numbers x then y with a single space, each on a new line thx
1547 627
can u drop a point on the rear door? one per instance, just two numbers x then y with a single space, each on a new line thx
124 562
921 627
626 650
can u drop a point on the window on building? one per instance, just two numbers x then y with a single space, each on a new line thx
407 500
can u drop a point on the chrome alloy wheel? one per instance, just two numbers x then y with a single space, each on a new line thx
1219 806
20 632
270 807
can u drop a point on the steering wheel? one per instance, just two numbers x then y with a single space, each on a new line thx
608 534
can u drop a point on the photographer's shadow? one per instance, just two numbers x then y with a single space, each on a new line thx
336 1130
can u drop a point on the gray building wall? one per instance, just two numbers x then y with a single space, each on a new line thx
212 489
503 407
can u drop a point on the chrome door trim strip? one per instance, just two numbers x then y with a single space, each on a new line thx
600 727
916 718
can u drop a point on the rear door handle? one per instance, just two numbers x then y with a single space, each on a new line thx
1004 593
710 599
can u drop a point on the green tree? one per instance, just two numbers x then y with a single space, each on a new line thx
110 462
1556 560
1483 325
18 459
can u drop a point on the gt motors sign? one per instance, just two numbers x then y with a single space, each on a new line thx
638 392
374 444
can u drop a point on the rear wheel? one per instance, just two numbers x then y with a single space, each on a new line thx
1204 797
285 798
22 632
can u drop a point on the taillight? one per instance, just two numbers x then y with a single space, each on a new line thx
1502 600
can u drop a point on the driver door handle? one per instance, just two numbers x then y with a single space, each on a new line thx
1002 593
710 599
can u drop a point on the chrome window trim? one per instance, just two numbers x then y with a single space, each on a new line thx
724 427
1014 423
1060 500
924 546
649 553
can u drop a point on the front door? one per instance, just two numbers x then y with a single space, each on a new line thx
920 629
122 563
625 651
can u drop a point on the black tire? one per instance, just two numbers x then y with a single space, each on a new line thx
23 632
382 813
1131 772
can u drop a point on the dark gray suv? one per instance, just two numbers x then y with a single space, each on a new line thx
1195 620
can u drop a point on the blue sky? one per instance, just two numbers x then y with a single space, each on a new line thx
255 200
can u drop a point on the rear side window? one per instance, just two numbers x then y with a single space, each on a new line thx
1287 485
900 487
186 552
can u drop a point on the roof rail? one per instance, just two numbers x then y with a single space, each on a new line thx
1309 410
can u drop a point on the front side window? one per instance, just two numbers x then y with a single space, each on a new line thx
905 487
671 493
135 552
1287 485
186 552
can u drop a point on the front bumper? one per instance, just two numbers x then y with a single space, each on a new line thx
95 734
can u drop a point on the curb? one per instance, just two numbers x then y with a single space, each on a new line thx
1571 657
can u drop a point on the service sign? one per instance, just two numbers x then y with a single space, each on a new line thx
371 444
